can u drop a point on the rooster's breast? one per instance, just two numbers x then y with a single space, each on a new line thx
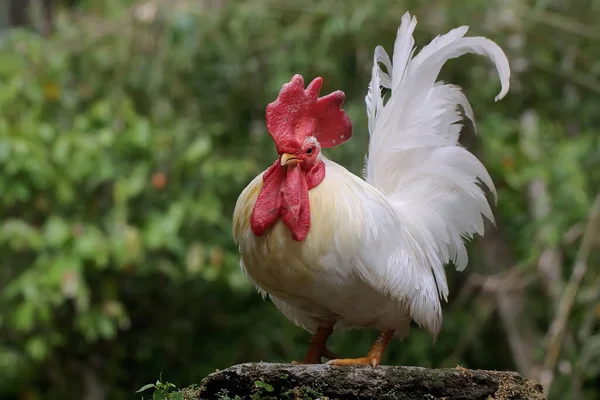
301 271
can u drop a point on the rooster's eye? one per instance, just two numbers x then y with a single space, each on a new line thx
309 151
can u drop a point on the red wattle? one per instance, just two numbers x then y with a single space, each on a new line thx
285 194
268 204
295 212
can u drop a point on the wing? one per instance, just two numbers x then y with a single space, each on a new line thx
386 252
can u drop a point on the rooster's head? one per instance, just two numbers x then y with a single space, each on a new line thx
301 123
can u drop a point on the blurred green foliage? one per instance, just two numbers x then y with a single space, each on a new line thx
126 137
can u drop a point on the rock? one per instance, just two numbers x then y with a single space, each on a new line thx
294 382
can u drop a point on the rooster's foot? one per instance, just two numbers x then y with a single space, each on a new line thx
317 360
372 361
373 358
317 347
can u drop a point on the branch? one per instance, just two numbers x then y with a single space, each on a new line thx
501 283
484 309
517 326
561 22
558 326
550 260
583 79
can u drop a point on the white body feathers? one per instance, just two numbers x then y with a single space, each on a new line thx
376 250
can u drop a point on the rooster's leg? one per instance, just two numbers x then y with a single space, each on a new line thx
318 347
374 355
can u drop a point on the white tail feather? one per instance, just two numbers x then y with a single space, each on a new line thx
414 157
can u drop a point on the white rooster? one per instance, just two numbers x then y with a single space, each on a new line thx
335 251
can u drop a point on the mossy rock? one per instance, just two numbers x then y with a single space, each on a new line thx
265 381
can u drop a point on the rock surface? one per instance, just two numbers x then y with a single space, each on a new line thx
294 382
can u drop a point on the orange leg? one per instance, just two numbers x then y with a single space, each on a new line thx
318 347
373 357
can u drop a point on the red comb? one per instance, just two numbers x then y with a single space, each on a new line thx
298 114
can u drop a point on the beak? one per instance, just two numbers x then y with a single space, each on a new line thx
289 159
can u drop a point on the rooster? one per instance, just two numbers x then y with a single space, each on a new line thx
336 251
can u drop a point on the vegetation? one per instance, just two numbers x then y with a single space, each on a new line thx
128 132
162 390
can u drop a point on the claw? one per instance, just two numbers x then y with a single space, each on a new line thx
372 361
373 358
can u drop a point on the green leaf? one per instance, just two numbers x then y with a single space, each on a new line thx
137 181
264 385
20 235
159 395
145 387
199 149
37 348
195 258
141 133
107 328
56 231
24 316
91 244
